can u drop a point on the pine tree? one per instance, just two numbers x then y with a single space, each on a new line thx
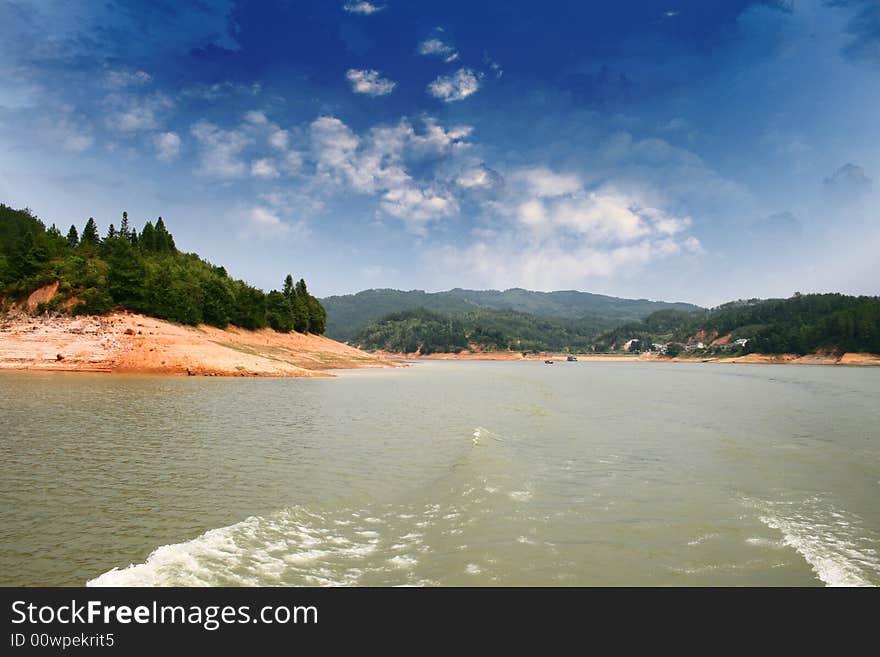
90 233
111 232
164 240
134 237
300 314
72 237
148 237
288 288
124 230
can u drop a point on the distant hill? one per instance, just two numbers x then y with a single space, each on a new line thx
347 315
802 324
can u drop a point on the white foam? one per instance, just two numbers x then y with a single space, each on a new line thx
760 541
520 495
699 540
472 569
828 539
403 561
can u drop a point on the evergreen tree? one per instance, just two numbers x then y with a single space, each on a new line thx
72 237
124 230
111 232
164 240
300 314
148 237
90 233
134 237
279 312
288 288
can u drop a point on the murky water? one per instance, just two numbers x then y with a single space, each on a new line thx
465 473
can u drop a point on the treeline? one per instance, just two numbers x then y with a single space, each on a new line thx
350 313
802 324
425 331
142 272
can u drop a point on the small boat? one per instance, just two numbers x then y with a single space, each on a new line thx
549 362
572 359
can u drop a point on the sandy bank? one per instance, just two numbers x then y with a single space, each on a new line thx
124 342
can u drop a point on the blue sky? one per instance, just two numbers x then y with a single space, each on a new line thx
695 150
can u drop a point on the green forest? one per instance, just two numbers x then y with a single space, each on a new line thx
349 314
800 325
142 272
491 330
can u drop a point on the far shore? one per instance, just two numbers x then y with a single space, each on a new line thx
849 358
125 342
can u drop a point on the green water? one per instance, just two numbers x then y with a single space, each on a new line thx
456 473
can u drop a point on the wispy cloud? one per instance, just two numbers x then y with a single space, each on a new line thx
167 145
122 79
220 150
132 114
368 82
363 8
458 86
77 143
438 48
379 163
266 221
264 168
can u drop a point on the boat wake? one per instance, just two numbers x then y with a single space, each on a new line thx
835 543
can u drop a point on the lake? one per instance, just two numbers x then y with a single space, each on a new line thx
445 473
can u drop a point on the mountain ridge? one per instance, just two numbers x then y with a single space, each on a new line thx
348 314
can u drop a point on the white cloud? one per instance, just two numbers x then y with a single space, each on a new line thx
77 143
402 140
438 48
368 82
122 79
279 139
377 164
256 118
418 206
293 162
543 182
506 261
167 145
136 114
334 147
548 230
458 86
363 8
478 177
221 150
264 168
264 219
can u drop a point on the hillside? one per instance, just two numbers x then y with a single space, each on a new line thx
427 332
805 324
140 272
802 324
348 315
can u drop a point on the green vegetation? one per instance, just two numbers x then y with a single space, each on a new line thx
350 314
803 324
143 273
489 330
800 325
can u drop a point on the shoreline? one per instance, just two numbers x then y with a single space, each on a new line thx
130 343
848 359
